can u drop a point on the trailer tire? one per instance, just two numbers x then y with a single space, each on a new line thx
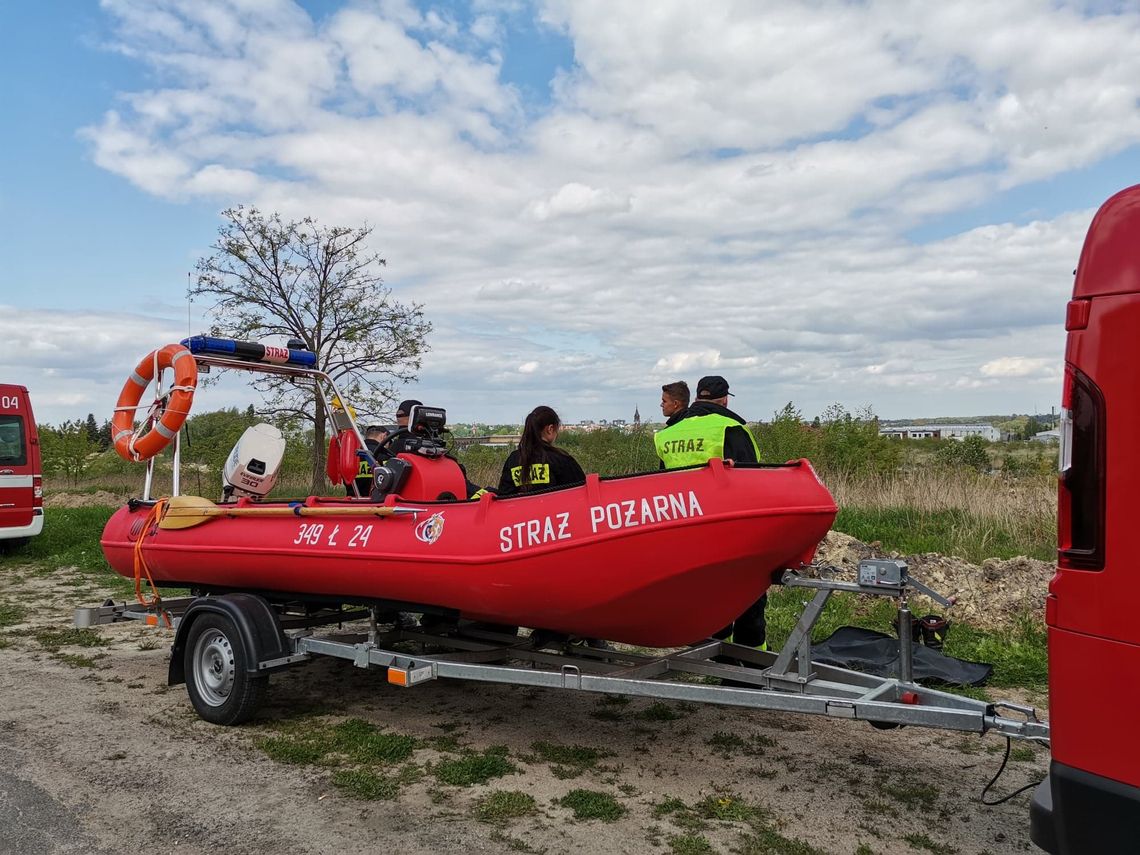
217 678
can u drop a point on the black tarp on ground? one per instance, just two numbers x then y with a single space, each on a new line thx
875 653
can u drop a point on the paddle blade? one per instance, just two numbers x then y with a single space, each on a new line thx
188 511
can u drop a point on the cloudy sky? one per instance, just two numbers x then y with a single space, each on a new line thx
867 202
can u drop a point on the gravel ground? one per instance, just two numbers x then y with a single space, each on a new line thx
98 755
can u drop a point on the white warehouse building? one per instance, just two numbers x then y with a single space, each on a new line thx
987 432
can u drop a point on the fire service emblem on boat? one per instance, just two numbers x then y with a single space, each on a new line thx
429 530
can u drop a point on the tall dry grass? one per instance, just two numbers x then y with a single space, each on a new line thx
1008 500
954 511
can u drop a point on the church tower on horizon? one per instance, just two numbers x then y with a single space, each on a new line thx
636 417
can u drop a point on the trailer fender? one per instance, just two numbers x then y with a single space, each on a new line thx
255 620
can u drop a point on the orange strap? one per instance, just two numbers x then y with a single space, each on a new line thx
155 602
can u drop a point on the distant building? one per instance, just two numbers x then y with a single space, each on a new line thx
1047 436
987 432
618 423
636 416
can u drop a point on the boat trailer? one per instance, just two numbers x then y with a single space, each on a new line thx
249 639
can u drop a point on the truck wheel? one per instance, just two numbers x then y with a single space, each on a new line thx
216 679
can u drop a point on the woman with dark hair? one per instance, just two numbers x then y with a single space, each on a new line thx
537 463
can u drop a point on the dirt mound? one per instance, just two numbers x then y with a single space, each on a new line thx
989 595
82 500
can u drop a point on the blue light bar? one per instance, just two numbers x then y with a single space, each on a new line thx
250 351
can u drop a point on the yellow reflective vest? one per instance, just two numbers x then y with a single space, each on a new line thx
696 440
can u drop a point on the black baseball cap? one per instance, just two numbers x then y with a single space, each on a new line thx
405 408
713 386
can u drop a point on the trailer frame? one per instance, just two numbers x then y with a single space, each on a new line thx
274 636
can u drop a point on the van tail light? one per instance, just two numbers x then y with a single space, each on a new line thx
37 491
1081 485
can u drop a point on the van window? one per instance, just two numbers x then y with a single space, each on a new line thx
13 448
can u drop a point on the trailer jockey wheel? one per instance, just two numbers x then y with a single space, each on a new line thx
216 660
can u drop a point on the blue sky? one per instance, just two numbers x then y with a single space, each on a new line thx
866 203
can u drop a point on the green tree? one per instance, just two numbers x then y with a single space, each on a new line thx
969 453
974 454
105 435
320 284
786 437
92 428
65 449
1032 428
850 443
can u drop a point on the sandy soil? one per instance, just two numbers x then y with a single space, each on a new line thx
100 498
100 756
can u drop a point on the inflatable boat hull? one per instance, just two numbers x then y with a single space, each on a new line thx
661 559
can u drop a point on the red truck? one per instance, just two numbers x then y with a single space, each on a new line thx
1091 800
21 473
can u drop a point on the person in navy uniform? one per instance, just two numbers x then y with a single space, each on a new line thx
537 462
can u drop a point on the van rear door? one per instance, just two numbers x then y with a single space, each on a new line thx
19 465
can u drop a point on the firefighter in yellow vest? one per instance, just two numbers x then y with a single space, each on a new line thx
708 429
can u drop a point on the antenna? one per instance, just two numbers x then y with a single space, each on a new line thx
189 331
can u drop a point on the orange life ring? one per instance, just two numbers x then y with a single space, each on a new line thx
171 410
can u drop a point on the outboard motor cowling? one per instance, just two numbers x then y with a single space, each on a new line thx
253 465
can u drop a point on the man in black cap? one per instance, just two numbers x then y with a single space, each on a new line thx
705 430
399 441
404 411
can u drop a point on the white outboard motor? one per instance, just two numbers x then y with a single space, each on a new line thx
252 467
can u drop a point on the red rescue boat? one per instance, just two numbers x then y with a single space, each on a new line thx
659 559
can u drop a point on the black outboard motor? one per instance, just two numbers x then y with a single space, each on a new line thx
423 438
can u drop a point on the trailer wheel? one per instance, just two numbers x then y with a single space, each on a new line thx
220 689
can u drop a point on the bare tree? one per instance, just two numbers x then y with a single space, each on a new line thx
319 284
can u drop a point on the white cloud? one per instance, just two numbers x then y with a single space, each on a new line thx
714 186
577 199
1018 366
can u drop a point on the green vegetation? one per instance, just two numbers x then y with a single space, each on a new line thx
768 841
761 838
913 794
54 639
76 660
365 784
475 767
568 761
729 807
679 814
593 804
727 744
11 614
689 844
659 711
71 538
911 531
504 805
306 742
1017 652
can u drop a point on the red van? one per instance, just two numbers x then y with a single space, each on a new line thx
1090 803
21 474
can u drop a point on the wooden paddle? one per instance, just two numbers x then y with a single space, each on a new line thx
189 511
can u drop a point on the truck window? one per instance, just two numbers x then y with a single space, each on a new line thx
13 447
